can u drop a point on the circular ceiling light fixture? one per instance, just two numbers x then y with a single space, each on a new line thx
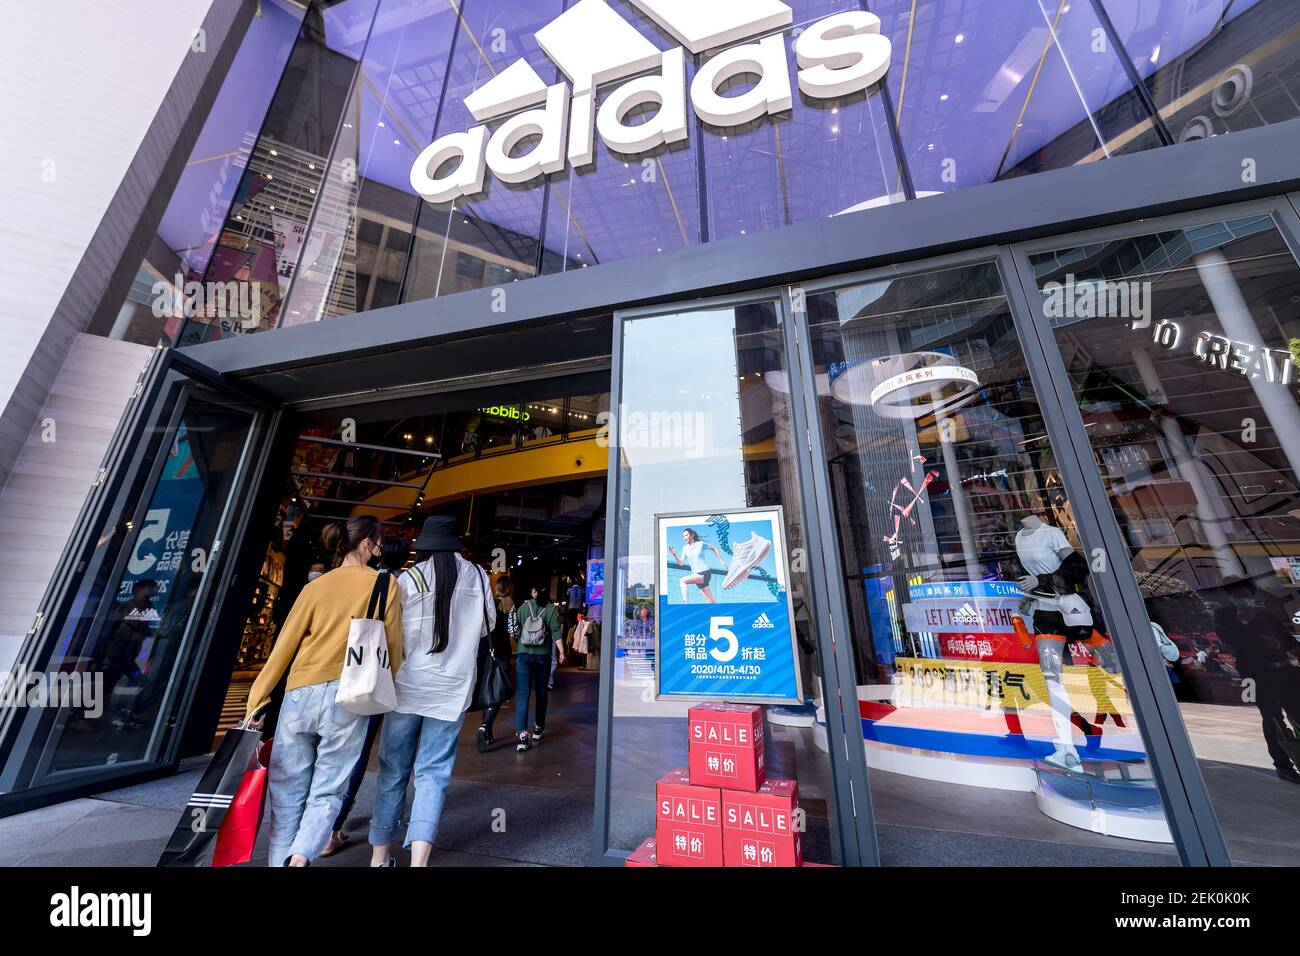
908 386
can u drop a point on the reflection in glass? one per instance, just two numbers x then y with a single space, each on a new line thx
1214 67
492 238
189 228
988 682
361 227
264 237
1180 347
986 91
133 629
703 424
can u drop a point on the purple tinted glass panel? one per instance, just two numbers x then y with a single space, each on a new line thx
624 206
493 237
983 91
821 158
1215 66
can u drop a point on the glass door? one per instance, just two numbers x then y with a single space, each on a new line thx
994 708
712 590
104 680
1177 342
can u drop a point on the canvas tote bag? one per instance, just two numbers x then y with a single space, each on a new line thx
366 685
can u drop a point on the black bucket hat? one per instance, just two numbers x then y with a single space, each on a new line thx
438 534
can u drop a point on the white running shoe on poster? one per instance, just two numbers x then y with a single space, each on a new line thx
744 558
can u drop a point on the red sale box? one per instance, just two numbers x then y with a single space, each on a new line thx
688 822
643 855
758 829
726 745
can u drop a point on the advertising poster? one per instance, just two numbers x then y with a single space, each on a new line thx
725 627
595 582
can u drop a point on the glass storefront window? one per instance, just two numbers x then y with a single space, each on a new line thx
1180 347
188 231
263 239
991 696
493 238
822 158
132 630
703 423
1214 67
362 223
987 91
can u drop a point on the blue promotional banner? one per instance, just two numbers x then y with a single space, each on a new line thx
725 628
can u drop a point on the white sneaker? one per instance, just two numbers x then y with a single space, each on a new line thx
1063 759
745 557
522 744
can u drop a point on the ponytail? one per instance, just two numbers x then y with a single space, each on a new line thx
342 538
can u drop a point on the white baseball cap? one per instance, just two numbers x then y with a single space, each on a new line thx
1075 611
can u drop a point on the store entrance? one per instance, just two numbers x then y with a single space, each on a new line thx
522 473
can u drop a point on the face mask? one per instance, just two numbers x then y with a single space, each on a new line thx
313 575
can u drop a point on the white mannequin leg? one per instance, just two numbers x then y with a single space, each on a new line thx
1051 660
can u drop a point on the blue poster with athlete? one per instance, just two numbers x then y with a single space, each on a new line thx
725 628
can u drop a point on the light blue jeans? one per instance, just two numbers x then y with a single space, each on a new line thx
317 743
427 746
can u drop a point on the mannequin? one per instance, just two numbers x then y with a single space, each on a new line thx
1054 582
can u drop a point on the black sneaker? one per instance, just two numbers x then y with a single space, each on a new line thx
522 743
483 740
1288 774
537 733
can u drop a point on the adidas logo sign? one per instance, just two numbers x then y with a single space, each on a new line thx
592 45
764 621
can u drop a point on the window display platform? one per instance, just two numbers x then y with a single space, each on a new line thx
1113 794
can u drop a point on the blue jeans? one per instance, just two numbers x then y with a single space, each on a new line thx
317 743
427 746
531 674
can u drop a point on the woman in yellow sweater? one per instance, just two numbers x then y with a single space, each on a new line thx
317 742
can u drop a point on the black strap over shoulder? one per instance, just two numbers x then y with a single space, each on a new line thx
379 597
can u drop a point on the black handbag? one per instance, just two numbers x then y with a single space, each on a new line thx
194 838
492 685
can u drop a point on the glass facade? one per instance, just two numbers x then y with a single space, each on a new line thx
140 600
1182 368
921 428
975 92
703 423
984 658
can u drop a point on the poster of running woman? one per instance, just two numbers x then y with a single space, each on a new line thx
725 627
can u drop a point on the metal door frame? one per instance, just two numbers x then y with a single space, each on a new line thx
125 484
854 821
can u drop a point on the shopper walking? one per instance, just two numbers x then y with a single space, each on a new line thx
447 609
393 558
501 636
539 631
317 742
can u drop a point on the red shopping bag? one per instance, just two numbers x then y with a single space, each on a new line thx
239 829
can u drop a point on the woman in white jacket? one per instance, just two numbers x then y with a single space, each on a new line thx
447 608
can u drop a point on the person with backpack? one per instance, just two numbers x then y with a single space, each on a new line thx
317 742
539 631
447 609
